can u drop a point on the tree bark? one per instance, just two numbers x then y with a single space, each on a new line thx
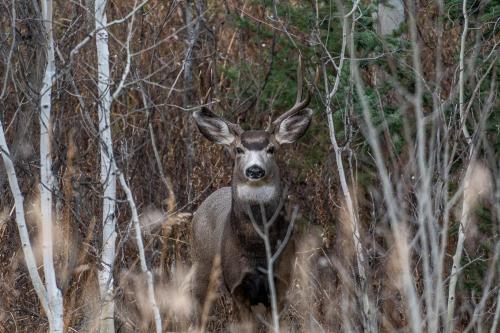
108 176
54 295
142 256
193 27
29 257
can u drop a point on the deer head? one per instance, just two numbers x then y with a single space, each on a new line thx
254 151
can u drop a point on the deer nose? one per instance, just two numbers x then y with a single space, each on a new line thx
255 172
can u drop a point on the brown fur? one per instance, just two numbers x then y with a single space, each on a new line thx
242 251
222 225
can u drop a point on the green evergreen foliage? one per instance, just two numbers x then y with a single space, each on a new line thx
476 264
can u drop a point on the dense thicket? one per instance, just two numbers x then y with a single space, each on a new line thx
240 56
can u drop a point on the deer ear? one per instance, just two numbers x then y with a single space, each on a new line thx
214 128
293 127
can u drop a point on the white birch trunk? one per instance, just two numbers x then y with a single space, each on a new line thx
387 189
457 256
142 256
368 318
108 177
21 224
391 14
46 177
464 218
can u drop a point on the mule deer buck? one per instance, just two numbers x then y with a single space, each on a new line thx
224 224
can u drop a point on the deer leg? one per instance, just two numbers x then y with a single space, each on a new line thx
201 280
283 276
246 320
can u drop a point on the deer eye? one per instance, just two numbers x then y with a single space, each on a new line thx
239 151
271 150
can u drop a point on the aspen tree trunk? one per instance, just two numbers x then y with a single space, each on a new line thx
369 323
142 257
188 98
457 256
108 177
29 256
54 295
390 14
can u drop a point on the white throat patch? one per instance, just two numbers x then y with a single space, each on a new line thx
257 194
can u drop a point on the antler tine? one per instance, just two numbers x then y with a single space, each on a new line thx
299 104
235 127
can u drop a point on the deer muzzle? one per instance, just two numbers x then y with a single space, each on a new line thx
255 172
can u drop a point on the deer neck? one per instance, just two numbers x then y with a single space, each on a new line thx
246 205
247 195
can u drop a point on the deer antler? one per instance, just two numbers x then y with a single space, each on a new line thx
299 103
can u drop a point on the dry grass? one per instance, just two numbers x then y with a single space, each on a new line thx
324 295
